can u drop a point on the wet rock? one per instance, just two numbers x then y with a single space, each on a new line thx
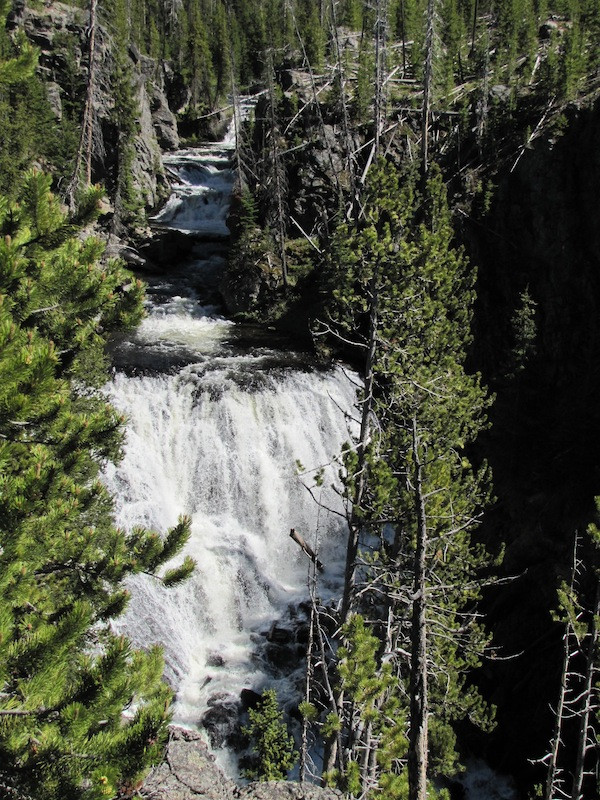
284 658
249 698
280 635
302 633
215 660
221 720
165 247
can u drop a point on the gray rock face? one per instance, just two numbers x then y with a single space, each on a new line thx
287 790
163 119
54 98
189 772
58 26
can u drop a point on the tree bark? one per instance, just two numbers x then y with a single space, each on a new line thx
380 65
307 549
86 138
418 741
355 205
474 27
277 170
583 741
427 85
365 430
331 754
553 771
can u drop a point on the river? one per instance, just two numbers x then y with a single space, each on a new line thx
217 420
219 416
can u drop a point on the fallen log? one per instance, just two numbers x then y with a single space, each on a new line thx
307 549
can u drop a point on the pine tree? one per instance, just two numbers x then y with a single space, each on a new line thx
270 739
66 679
197 63
312 32
125 113
571 769
375 717
414 472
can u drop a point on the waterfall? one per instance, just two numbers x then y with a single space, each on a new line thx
215 430
219 442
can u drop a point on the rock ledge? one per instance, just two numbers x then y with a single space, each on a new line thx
189 771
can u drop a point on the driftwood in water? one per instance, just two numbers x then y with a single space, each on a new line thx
307 549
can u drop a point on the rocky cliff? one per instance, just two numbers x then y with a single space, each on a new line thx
188 771
61 32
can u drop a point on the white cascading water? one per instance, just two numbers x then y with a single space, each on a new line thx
215 429
218 442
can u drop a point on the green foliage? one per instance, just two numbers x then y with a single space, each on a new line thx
524 332
363 96
197 67
308 710
399 266
375 695
125 115
350 14
312 32
18 59
65 678
270 740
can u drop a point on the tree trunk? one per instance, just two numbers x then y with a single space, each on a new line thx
331 754
277 170
380 69
552 777
354 206
86 138
482 109
89 103
584 742
403 24
307 694
427 85
418 741
355 522
474 28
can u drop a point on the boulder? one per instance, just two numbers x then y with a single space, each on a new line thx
188 772
53 94
221 719
284 658
280 635
249 698
215 660
163 119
